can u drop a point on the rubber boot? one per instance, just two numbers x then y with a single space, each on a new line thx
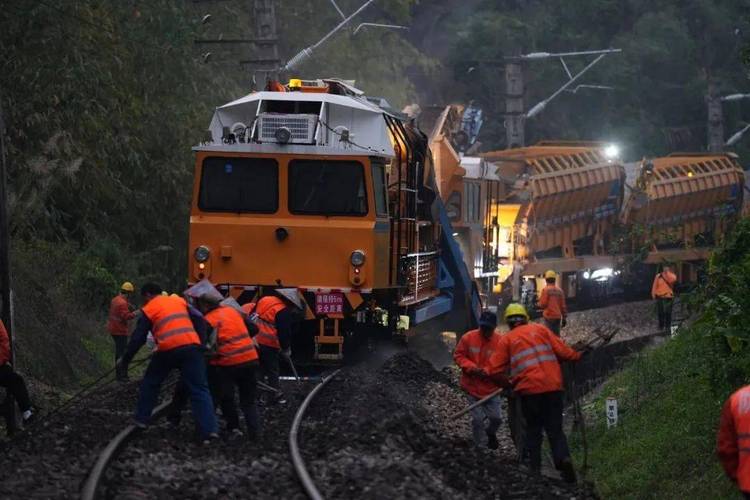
567 471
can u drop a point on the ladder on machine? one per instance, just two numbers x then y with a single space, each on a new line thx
329 343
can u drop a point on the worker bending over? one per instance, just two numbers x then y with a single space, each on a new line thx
234 365
273 318
530 352
552 302
662 291
473 355
120 312
178 347
733 440
11 380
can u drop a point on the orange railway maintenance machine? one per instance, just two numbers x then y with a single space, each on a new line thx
314 186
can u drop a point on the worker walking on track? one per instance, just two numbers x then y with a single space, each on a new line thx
662 291
733 439
552 302
234 365
12 381
178 347
120 313
473 355
274 319
531 353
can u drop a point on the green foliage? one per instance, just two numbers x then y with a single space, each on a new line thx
670 397
669 51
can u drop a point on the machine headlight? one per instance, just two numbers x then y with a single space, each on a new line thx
202 253
612 151
357 258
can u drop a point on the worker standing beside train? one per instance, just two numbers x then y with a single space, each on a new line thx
530 352
234 365
662 291
733 439
553 304
11 380
473 354
120 312
273 318
177 333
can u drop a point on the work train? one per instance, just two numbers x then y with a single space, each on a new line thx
576 208
313 187
374 228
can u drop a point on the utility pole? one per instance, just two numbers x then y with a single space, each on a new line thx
266 59
5 300
514 109
715 117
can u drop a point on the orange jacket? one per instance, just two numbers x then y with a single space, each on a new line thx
531 352
170 323
553 302
248 308
663 287
234 342
265 317
4 344
733 439
119 315
474 351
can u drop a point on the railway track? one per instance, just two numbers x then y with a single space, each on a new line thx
383 431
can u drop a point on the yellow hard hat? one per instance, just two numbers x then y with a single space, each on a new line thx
164 293
515 310
550 275
127 287
174 295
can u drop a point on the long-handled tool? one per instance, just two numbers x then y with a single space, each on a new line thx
291 364
267 387
480 402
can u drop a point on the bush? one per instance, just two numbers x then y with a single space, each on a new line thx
670 397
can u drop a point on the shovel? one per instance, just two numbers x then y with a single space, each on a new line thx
474 405
291 364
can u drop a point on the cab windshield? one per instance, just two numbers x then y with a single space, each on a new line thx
241 185
327 187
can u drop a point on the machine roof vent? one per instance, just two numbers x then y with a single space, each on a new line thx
301 126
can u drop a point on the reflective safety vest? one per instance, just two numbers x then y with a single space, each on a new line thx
733 443
531 352
248 308
265 317
474 351
170 323
553 302
234 343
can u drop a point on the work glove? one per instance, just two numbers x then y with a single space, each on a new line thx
477 372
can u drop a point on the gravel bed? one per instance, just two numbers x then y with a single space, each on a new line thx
52 458
385 433
634 319
167 462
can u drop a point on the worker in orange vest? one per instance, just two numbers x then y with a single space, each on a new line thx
120 313
177 331
662 291
11 380
552 302
274 320
733 439
234 365
473 355
530 353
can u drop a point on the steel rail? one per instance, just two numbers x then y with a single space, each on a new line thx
297 460
111 451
